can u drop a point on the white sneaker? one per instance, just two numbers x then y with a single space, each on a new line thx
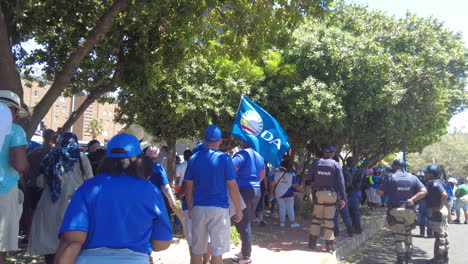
295 225
282 224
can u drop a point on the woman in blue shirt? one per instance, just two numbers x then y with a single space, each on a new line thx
118 216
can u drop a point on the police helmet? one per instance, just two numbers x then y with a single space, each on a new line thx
432 169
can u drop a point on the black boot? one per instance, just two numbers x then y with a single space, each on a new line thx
400 260
444 258
409 258
357 229
350 232
430 234
422 230
436 259
330 246
312 241
336 231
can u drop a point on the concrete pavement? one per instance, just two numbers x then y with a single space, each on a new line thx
381 250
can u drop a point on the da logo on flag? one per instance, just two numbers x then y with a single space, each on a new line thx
252 123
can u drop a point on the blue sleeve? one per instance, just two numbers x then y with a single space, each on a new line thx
238 160
162 228
164 179
159 177
440 187
230 173
294 180
18 136
76 216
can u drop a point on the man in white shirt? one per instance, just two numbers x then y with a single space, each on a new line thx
180 168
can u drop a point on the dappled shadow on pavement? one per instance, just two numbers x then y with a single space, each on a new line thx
381 250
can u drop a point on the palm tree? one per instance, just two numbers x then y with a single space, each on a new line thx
94 128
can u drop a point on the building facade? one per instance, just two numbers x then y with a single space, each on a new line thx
62 108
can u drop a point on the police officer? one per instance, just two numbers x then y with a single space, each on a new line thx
435 200
326 177
404 190
353 188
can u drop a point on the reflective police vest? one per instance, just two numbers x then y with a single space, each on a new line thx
400 189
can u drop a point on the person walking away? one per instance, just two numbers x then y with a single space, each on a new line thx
33 193
462 191
451 188
64 169
13 165
209 176
326 177
344 212
404 191
250 168
117 217
283 184
159 178
436 199
354 193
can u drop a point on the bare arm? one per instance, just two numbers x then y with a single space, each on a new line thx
160 245
443 199
297 187
380 192
262 175
168 193
188 188
70 246
19 159
235 197
418 196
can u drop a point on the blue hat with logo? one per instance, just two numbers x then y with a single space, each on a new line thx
432 169
328 148
123 146
213 134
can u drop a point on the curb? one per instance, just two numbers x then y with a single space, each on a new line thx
372 224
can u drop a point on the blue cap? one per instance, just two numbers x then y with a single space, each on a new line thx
200 146
432 169
128 143
329 148
398 162
213 134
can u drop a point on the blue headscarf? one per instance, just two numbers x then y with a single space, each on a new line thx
60 159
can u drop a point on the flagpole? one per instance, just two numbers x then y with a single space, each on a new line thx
230 138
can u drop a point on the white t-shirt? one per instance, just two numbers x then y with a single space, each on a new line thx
180 171
5 124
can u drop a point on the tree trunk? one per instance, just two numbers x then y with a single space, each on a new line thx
9 76
171 158
63 78
95 94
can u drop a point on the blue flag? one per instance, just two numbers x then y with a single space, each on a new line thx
261 131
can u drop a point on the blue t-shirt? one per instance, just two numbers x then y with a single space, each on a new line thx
435 189
250 164
8 175
400 187
118 212
159 177
209 169
450 193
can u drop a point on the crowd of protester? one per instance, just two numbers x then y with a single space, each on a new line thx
113 204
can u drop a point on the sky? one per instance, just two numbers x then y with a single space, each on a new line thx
454 14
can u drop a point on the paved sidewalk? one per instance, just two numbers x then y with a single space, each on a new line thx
274 244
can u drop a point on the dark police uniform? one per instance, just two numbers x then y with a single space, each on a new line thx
400 187
328 183
438 220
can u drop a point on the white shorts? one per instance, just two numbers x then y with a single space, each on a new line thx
459 205
188 227
372 196
11 208
209 222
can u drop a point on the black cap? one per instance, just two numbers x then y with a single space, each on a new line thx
48 134
398 163
328 148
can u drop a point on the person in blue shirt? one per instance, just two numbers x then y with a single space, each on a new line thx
118 216
404 191
209 176
13 164
159 177
250 167
353 188
436 199
452 182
